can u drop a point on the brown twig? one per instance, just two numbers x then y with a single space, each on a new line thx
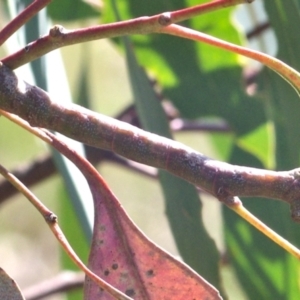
43 167
254 32
220 179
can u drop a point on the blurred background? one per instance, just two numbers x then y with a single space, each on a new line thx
96 71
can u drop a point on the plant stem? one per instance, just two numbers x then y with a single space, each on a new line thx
235 204
59 37
220 179
161 23
30 11
190 12
44 211
245 214
284 70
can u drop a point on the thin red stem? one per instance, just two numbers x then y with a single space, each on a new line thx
59 37
22 18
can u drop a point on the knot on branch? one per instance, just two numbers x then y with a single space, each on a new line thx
226 197
51 218
56 31
165 19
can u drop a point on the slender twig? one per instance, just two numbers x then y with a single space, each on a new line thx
51 220
179 124
21 19
284 70
45 212
59 37
190 12
71 253
258 30
30 174
245 214
161 23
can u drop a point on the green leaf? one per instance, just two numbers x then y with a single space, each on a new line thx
259 263
260 143
265 270
71 10
198 87
223 144
286 104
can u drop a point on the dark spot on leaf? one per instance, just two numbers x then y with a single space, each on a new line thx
130 292
150 273
106 272
102 228
115 266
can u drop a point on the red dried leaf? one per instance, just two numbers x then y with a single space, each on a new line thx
125 258
9 290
